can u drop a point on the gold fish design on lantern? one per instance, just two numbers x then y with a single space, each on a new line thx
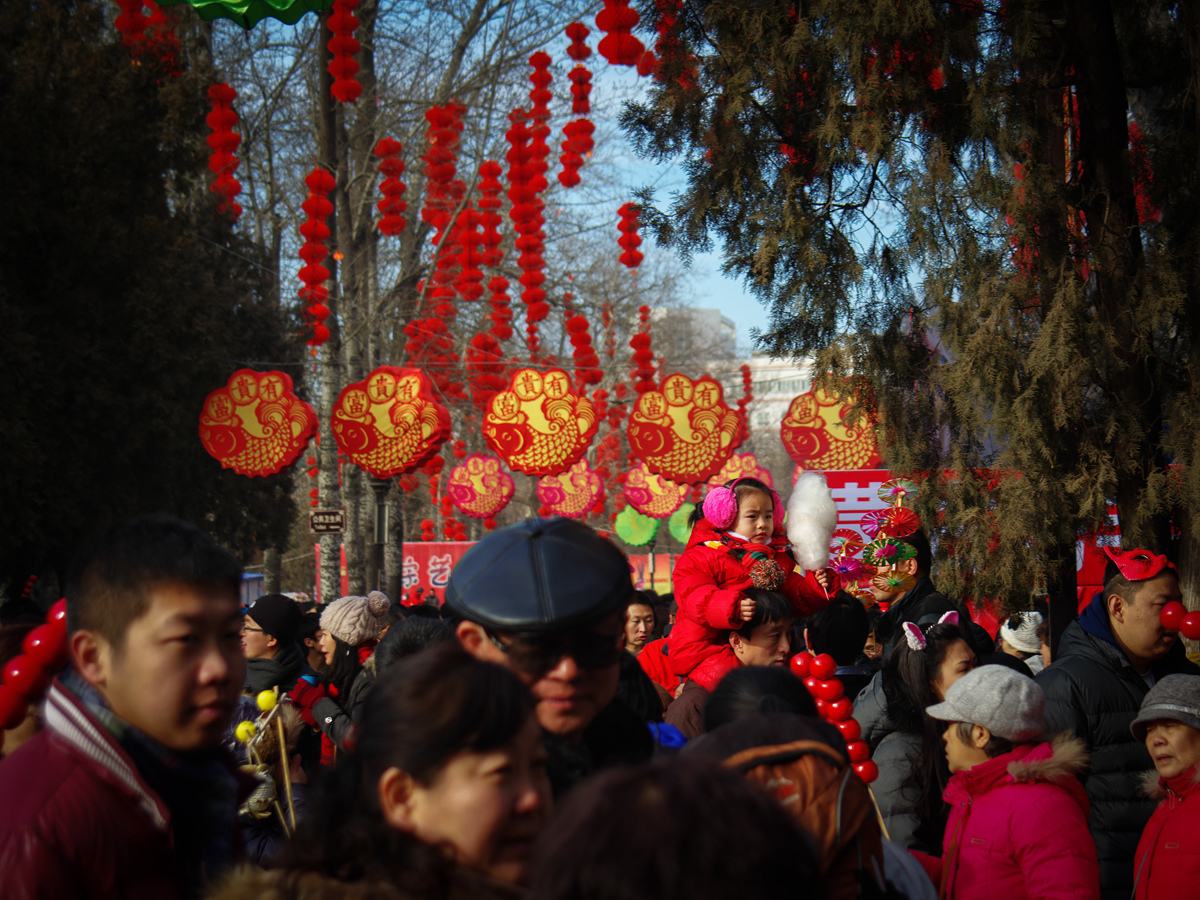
573 493
537 425
479 487
652 495
817 434
255 424
684 431
390 422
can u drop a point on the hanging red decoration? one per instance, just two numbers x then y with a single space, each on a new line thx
490 189
684 431
647 63
669 47
1143 176
223 142
587 363
617 20
652 495
574 493
255 424
317 207
343 48
390 422
131 24
537 425
744 401
479 486
581 90
577 144
577 34
643 355
444 191
391 205
629 241
485 368
526 178
26 675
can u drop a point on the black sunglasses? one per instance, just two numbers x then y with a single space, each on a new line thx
537 654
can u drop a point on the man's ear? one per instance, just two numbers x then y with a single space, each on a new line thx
471 637
1116 607
397 799
980 736
909 567
736 641
272 642
92 656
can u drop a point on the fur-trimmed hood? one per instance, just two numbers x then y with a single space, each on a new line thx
1060 762
1181 785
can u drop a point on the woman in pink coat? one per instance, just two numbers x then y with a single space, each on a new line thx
1018 813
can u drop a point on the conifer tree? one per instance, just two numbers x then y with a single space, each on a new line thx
988 211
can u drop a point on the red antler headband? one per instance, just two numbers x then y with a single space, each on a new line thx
1139 564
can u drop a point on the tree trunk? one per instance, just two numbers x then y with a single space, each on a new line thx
272 566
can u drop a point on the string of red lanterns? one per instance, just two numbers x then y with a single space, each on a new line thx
223 142
391 205
629 241
643 355
818 674
617 20
314 251
343 48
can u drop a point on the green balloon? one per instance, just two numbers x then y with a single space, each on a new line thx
678 523
249 13
635 529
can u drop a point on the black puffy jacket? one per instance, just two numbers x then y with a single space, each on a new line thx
1093 691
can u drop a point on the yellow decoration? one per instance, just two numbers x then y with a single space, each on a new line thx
537 425
684 432
245 731
817 436
266 700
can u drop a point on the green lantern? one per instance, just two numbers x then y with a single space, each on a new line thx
678 523
635 529
249 13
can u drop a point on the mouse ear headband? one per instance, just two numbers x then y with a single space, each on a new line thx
914 636
1139 564
720 506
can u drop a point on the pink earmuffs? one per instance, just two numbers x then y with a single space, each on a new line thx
720 506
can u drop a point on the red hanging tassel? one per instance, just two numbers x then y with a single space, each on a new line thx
223 141
643 355
617 20
629 241
391 206
343 47
317 207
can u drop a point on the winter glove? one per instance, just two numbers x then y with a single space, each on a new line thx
305 696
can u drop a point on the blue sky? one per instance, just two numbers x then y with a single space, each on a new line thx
713 289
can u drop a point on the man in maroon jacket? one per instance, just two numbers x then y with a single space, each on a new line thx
126 791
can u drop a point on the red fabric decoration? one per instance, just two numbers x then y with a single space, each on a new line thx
1139 564
343 47
1143 176
223 141
317 207
629 241
647 63
643 356
617 20
283 424
587 363
148 34
577 33
441 164
391 206
747 397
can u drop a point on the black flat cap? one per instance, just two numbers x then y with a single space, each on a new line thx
539 575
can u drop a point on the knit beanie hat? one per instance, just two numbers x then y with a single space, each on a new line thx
1021 631
1175 698
356 620
277 615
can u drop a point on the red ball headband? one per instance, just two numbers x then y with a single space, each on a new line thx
720 506
1138 564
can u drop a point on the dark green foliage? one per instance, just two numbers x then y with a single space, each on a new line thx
858 164
124 298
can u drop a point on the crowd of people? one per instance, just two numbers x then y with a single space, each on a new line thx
547 731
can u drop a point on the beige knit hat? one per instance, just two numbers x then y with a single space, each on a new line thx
356 620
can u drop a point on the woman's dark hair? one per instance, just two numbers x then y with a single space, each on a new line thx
769 607
636 690
715 835
840 629
751 690
908 677
421 712
345 667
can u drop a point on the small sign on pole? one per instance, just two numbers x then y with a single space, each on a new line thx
327 521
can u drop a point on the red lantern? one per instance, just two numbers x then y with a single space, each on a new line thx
629 240
581 90
391 205
823 666
313 251
858 751
577 33
223 141
343 47
643 356
617 20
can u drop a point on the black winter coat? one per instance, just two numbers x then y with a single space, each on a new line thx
923 600
1093 692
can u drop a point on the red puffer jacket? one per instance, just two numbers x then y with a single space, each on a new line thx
78 820
1018 828
1167 862
709 579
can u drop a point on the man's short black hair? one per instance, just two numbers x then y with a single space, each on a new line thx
110 583
769 607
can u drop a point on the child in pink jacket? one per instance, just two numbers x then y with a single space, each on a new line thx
1018 812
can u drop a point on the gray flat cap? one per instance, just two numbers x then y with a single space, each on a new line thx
1175 697
1008 704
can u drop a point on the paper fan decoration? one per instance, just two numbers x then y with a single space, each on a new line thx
845 542
893 582
255 424
678 523
537 425
849 568
573 493
883 552
684 431
895 521
390 422
899 491
479 487
635 529
652 495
